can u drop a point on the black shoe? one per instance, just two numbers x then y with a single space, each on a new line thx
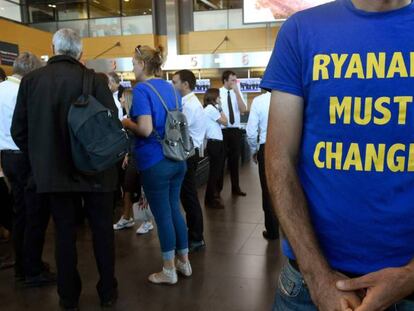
44 279
6 264
197 246
19 277
68 307
110 302
239 193
269 237
215 205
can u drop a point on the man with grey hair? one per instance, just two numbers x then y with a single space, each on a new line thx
40 128
30 217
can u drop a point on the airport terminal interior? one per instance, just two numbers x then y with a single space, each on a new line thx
137 173
238 268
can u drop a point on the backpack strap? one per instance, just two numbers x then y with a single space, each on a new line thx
160 97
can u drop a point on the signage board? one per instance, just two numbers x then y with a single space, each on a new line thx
8 53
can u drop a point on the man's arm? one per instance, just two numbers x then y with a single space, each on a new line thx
252 128
19 127
282 153
240 101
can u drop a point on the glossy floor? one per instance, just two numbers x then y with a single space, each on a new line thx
236 272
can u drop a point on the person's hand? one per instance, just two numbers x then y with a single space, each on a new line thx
383 288
327 297
235 87
254 157
126 122
125 162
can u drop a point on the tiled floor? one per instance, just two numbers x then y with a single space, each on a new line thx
237 271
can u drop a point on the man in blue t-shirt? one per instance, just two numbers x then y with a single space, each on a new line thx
340 155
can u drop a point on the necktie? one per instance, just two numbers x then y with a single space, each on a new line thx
231 112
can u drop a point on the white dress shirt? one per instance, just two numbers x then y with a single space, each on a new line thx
257 123
119 106
193 111
213 127
8 97
225 107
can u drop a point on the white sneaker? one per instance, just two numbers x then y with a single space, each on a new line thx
184 268
166 276
124 223
146 227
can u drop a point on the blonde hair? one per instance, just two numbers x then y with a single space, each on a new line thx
127 93
152 58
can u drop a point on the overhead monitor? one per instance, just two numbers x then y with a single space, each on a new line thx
266 11
202 85
250 85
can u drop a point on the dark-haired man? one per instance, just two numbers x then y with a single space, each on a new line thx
233 105
184 81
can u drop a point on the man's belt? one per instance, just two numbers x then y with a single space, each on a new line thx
9 151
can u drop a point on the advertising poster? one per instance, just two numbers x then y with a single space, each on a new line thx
266 11
8 53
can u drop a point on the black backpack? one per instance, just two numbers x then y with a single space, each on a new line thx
98 140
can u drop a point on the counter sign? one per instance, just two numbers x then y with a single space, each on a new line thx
8 53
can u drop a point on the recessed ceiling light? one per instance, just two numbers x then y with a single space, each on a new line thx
126 0
2 9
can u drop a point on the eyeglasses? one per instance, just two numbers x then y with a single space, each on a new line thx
138 50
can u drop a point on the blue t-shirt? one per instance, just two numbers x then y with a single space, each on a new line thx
148 151
355 72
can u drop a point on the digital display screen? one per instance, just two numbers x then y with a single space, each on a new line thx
266 11
202 85
251 85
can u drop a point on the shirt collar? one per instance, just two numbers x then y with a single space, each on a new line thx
13 79
187 98
63 58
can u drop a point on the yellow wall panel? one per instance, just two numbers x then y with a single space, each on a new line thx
29 39
240 40
95 46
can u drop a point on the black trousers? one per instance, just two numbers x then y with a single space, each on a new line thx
215 151
30 215
190 202
6 212
98 209
271 222
232 149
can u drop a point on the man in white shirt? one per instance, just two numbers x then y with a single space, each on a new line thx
30 217
114 82
184 81
256 136
233 105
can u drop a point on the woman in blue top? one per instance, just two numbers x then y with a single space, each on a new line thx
161 177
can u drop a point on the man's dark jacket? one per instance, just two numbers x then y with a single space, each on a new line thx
40 126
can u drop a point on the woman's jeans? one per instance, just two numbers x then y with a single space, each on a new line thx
162 184
292 294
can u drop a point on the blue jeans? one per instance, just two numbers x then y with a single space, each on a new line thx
162 184
292 294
